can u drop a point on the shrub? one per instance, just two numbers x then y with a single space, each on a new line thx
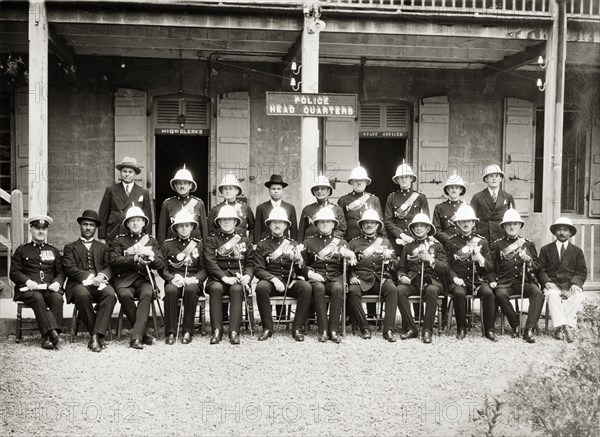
563 398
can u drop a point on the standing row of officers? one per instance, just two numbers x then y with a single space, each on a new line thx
341 251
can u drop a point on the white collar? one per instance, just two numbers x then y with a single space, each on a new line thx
559 244
276 203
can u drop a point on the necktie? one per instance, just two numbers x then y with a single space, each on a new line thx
127 189
562 251
494 196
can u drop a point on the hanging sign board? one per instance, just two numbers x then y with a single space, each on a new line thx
312 105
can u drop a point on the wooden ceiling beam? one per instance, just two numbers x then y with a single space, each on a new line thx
514 61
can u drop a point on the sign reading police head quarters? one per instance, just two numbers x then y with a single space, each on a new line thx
311 105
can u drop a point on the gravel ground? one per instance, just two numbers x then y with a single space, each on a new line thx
279 387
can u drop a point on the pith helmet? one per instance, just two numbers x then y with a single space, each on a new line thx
325 214
135 211
321 181
512 216
563 221
184 216
184 175
424 219
455 180
359 173
464 212
229 180
404 170
492 169
227 211
278 214
370 215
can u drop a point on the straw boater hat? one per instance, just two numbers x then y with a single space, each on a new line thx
563 221
129 162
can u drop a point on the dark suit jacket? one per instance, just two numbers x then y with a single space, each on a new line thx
572 269
75 265
262 213
114 205
490 214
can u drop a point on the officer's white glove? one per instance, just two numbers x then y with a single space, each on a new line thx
55 286
459 282
279 286
32 285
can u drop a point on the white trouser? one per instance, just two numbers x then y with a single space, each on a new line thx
563 311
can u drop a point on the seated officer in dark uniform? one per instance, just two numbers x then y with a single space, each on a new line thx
132 255
37 272
423 269
321 189
374 255
324 258
183 184
512 255
273 267
184 275
229 261
87 265
471 270
230 189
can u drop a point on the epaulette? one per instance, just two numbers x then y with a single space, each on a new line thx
454 236
356 238
170 239
121 235
266 238
169 198
311 236
199 240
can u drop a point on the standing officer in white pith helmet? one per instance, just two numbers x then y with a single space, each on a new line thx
132 255
443 213
321 189
37 271
515 256
183 184
230 189
401 207
491 203
354 204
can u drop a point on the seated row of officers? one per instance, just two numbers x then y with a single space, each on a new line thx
341 245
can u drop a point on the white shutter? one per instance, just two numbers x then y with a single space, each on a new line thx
341 153
519 152
22 144
433 147
595 169
233 137
130 129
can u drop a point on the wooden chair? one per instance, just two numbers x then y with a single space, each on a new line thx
76 320
247 316
287 311
438 313
471 314
378 319
23 325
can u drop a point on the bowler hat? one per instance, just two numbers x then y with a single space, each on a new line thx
89 214
275 179
130 162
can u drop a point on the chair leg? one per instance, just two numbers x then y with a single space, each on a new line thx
74 324
155 320
19 327
547 317
449 312
119 324
203 316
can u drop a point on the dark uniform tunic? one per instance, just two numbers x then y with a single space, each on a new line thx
368 271
461 266
171 207
41 263
306 228
434 279
397 219
244 213
220 261
442 220
490 213
509 276
266 268
353 214
330 266
173 252
79 263
132 281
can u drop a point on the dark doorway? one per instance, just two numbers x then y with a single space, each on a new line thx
380 157
172 151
